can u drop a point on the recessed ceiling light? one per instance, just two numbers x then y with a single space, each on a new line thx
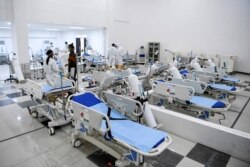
4 27
77 28
9 23
52 29
28 25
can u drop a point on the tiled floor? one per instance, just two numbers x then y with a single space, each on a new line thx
25 142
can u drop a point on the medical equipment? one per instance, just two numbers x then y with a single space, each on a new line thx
3 53
94 62
15 70
108 127
141 55
228 62
100 81
129 61
37 70
11 69
50 102
184 97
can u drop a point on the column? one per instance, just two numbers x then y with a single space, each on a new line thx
20 30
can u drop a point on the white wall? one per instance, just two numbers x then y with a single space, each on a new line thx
5 10
97 39
204 26
118 23
73 12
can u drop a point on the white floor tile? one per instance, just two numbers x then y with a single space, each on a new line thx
63 155
12 91
13 152
186 162
233 162
180 145
40 141
18 120
238 103
243 122
33 162
6 132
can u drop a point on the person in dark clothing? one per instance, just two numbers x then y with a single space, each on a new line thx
72 60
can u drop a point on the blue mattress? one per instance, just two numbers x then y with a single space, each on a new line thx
184 72
206 102
136 71
231 79
222 87
132 133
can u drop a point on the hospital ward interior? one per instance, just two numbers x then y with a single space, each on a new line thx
124 83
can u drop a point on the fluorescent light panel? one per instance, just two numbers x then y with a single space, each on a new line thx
77 28
52 29
4 27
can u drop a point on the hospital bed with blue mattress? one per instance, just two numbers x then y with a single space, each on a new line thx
184 96
50 101
108 127
219 76
220 90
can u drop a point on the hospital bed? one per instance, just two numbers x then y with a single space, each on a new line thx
221 90
50 102
210 87
99 81
94 62
218 75
108 127
184 96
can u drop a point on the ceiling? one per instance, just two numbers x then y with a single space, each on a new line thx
48 27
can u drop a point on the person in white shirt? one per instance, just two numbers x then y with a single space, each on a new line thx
51 69
112 54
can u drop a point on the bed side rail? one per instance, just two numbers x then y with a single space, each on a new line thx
198 86
173 90
124 104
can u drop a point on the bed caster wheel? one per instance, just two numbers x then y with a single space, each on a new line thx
51 131
76 143
141 160
34 114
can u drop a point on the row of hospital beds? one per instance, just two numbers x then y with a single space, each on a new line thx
110 114
112 124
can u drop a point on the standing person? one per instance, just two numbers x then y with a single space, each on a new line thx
119 57
51 69
112 53
72 61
